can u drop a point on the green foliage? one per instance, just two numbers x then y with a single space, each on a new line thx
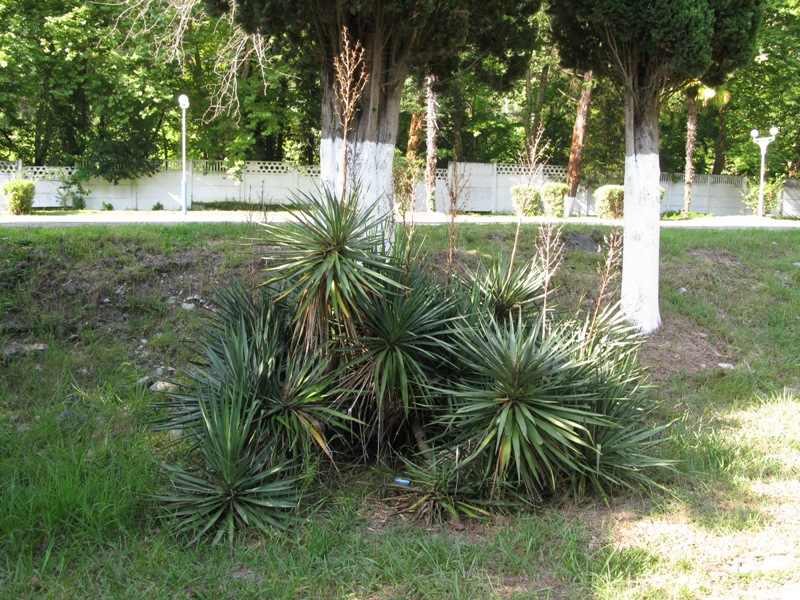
772 196
504 291
443 489
344 349
19 196
234 484
609 201
246 347
527 200
108 206
620 448
402 348
72 191
329 262
553 195
686 40
158 206
525 402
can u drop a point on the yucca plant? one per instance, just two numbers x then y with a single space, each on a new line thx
525 402
619 451
232 485
246 347
505 291
442 487
330 260
400 352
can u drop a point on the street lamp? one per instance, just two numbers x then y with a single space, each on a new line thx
763 142
183 102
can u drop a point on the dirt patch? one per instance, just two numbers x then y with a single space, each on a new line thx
679 346
716 256
584 242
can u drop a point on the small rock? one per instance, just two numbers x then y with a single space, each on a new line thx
683 290
187 306
162 387
726 366
17 350
246 575
797 264
143 341
195 298
70 288
106 300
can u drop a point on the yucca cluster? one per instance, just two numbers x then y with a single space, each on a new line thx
481 394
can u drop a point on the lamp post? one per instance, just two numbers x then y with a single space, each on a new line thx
183 102
763 142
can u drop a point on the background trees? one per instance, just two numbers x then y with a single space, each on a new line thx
649 51
75 85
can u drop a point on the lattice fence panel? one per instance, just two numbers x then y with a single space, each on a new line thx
268 167
309 170
47 173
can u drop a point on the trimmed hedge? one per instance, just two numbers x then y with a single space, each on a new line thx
609 201
553 195
527 200
19 195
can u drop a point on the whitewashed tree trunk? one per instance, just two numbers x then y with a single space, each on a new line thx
372 136
431 133
641 252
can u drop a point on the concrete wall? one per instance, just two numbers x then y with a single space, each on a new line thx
481 187
791 198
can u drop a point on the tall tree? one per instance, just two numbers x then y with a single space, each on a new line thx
695 92
651 49
579 130
766 94
399 37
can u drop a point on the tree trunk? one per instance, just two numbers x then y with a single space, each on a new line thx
640 259
431 132
578 141
373 130
691 141
537 114
719 155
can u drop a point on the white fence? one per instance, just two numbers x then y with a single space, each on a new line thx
484 187
487 188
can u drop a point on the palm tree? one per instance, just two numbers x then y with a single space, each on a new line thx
695 92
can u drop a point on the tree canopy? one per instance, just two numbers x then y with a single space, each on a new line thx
399 37
650 49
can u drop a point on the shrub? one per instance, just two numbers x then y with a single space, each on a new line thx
772 194
503 291
19 194
108 206
553 195
523 400
72 191
609 201
158 206
527 200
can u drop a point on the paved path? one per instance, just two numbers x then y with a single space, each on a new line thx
125 217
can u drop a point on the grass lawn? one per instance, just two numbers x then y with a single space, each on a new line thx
111 309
